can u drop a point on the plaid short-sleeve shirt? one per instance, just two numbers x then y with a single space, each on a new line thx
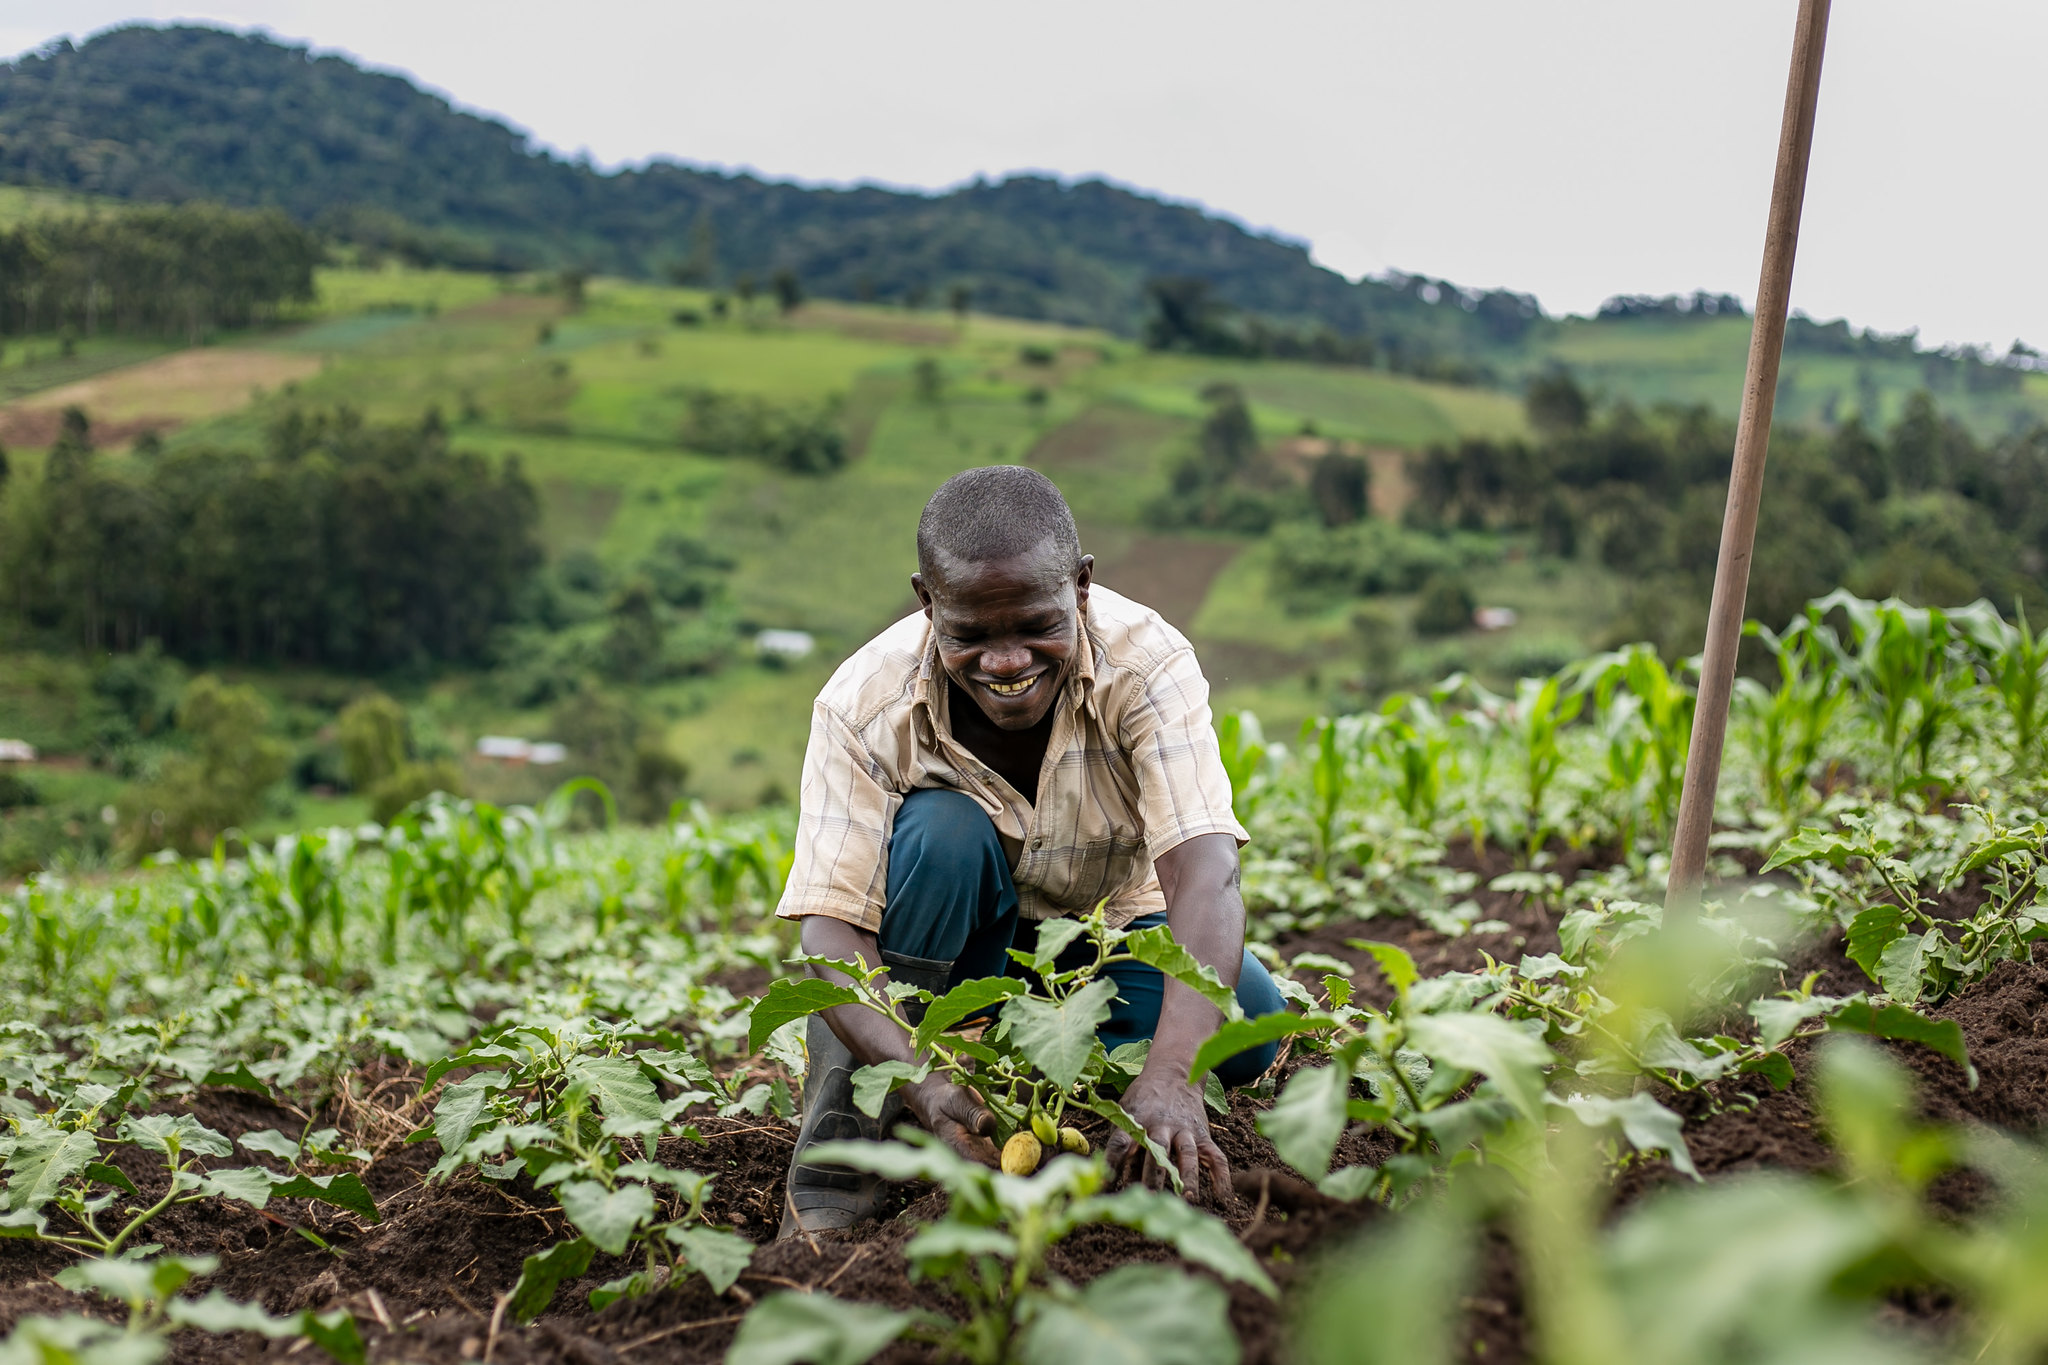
1131 770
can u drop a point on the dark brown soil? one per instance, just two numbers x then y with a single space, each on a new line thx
423 1283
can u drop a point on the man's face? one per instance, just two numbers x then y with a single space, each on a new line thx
1007 629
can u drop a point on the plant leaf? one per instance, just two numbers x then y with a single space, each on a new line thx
1902 970
542 1273
1871 932
720 1257
216 1312
1308 1118
250 1184
335 1333
1197 1236
270 1142
793 997
1813 845
622 1088
1157 947
1240 1034
606 1217
1058 1039
1648 1125
460 1107
872 1084
1394 962
44 1157
964 1001
110 1175
1896 1021
160 1132
792 1328
343 1191
1486 1043
1134 1315
1778 1019
237 1077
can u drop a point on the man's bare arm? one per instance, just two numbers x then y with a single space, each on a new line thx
947 1111
1206 913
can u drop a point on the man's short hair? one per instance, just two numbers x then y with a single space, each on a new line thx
996 512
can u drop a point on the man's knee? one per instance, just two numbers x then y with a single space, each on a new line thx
934 825
1257 994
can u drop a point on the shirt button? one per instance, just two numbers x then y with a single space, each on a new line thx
1038 843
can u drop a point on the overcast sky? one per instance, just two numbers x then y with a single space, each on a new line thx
1575 150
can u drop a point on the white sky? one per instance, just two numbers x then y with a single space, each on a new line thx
1575 150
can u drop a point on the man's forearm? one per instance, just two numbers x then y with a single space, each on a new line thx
1205 911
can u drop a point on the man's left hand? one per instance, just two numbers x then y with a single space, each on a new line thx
1170 1111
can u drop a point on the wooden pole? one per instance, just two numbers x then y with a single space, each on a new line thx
1752 443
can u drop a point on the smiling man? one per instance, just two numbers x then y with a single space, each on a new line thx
1028 746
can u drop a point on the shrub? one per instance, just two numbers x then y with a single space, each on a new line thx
373 741
1367 558
803 439
410 782
1445 607
220 782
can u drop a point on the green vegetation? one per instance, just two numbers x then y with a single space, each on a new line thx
546 1009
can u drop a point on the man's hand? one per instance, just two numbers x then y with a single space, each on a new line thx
955 1116
1170 1111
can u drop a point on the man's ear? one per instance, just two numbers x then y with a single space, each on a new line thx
924 595
1083 576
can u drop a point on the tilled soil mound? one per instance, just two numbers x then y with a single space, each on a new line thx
424 1281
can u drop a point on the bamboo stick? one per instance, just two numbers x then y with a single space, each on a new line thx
1752 443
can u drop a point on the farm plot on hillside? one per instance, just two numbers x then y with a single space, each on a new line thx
479 1086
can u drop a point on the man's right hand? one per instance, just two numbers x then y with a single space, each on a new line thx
955 1115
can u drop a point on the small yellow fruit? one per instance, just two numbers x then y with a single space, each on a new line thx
1042 1124
1021 1153
1072 1141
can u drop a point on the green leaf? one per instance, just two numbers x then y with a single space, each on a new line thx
335 1333
1197 1236
1778 1019
343 1191
1053 937
964 1001
1648 1125
1349 1183
110 1175
44 1157
460 1107
720 1257
793 997
1902 971
216 1312
492 1052
270 1142
250 1184
1394 962
1774 1067
543 1272
1871 932
1896 1021
621 1087
931 1160
1134 1315
1814 845
872 1084
1239 1034
1157 947
238 1077
1308 1118
791 1328
625 1287
1989 851
1059 1039
607 1217
161 1133
1486 1043
946 1239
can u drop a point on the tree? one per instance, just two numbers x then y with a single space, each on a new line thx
788 292
1555 403
959 297
1444 608
219 783
373 740
1340 484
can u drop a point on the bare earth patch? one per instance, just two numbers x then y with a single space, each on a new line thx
155 395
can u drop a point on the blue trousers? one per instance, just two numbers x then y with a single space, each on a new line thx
951 901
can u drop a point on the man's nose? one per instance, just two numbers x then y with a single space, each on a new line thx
1005 661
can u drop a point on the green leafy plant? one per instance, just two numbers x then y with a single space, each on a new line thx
989 1251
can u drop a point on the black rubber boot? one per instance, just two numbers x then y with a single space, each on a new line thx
822 1196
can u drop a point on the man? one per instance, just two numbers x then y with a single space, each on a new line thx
1028 746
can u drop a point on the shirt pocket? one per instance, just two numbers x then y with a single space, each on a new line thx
1099 868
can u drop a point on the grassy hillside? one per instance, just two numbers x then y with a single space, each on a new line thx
591 399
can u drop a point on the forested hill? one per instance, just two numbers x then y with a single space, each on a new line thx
196 113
